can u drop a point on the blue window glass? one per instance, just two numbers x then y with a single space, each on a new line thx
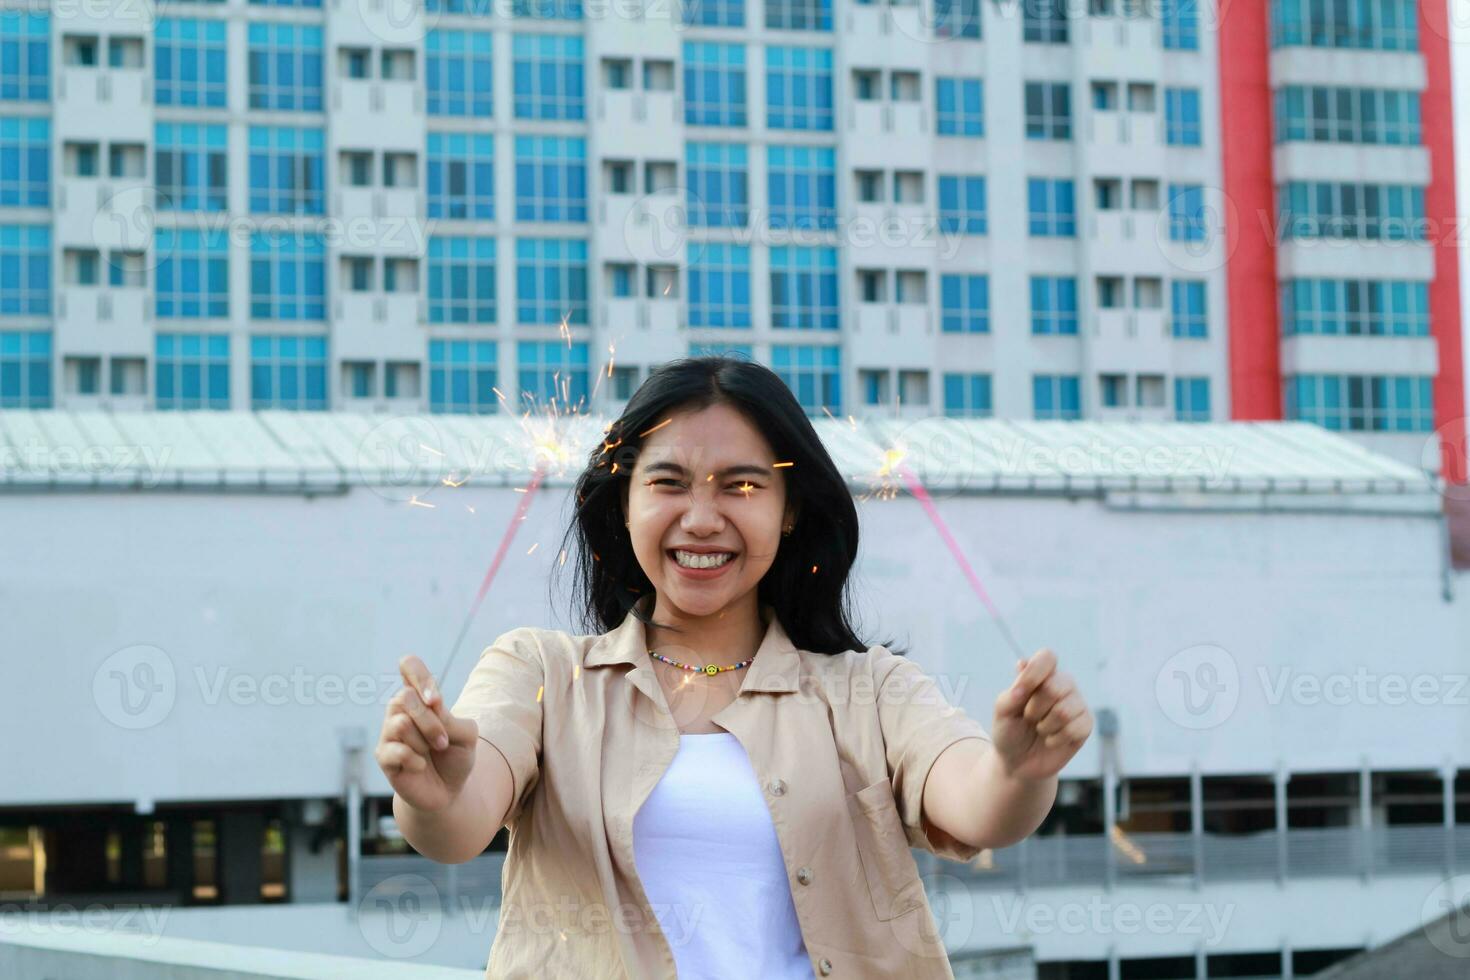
1051 207
551 178
548 76
193 275
25 162
461 175
25 367
799 88
470 8
1382 25
719 285
189 166
813 374
804 288
288 276
288 371
967 395
1363 403
714 84
462 377
552 375
1180 21
799 15
962 204
718 185
461 279
285 67
1187 308
1187 213
546 9
801 184
1053 305
712 13
1056 396
957 19
1044 21
551 280
286 170
191 370
1341 114
1048 110
960 109
1192 399
287 3
964 303
458 73
25 57
1181 116
1355 307
1323 209
189 63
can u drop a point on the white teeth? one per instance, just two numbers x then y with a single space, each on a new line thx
690 560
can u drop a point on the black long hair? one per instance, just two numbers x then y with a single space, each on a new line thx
807 584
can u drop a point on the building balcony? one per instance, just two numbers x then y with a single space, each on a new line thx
359 108
104 320
375 325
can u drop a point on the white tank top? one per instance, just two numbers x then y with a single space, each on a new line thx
709 859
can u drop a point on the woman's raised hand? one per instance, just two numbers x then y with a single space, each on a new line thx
426 752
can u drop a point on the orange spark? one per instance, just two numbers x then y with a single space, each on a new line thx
656 427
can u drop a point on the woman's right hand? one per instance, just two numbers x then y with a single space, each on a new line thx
426 752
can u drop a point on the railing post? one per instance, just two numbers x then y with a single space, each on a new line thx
1197 822
1281 856
1447 791
1365 814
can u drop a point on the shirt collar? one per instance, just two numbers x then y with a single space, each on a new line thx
775 666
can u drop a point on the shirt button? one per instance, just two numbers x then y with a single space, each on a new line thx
778 787
804 875
824 965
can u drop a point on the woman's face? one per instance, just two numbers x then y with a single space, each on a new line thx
705 480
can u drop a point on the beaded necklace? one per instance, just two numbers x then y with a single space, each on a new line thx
708 669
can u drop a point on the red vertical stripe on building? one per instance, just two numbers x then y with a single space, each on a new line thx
1250 212
1438 121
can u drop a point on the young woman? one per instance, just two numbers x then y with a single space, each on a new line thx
719 780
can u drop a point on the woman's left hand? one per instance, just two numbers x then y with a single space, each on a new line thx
1041 720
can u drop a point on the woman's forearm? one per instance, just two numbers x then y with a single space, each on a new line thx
971 797
1011 807
463 829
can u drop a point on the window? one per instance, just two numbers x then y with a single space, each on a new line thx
124 52
189 162
1356 402
967 395
908 187
799 88
1110 292
80 265
872 285
287 3
1113 389
461 279
874 386
127 376
286 170
799 15
1180 19
617 176
1382 25
903 86
869 186
625 380
713 13
355 62
191 370
25 366
458 73
1055 396
620 279
719 285
288 371
462 377
1140 97
1181 116
964 302
804 288
1355 307
1044 21
962 204
401 379
617 74
660 177
1048 111
25 162
288 278
400 275
357 272
126 160
960 110
662 282
1150 391
1107 193
193 274
25 57
714 84
551 178
658 75
358 380
189 63
1187 308
83 375
1187 213
547 69
1192 399
1104 96
547 9
551 280
1148 293
912 287
867 84
126 269
397 64
812 373
461 175
802 187
285 67
552 373
913 388
1145 195
957 19
1052 208
25 270
719 195
1053 305
79 50
402 170
357 168
80 159
1328 114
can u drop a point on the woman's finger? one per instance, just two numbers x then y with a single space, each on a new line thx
396 757
425 719
401 728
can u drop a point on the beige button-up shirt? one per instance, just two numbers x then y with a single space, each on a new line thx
841 745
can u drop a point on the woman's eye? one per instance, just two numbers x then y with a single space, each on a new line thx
665 480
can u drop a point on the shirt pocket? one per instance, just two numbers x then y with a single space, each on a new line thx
893 877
